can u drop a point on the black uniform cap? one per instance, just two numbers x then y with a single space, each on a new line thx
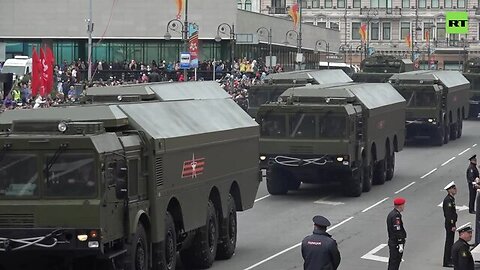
473 157
321 221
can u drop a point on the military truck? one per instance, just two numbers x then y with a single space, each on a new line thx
345 133
379 68
437 103
276 83
472 73
132 182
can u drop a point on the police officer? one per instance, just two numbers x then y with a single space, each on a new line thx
450 214
461 256
396 234
472 178
319 250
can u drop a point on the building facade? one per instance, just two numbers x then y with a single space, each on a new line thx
389 23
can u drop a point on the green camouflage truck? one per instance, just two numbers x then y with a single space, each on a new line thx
346 134
437 103
379 68
472 73
131 183
276 83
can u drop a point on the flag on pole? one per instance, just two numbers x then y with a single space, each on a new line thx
48 71
363 32
427 36
408 40
179 8
37 71
294 13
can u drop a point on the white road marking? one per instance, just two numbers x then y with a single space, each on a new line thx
264 197
463 152
459 208
446 162
371 255
323 201
405 187
368 208
293 247
427 174
474 145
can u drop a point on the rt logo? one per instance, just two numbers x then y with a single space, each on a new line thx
456 22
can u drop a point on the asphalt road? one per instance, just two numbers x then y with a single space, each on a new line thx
269 235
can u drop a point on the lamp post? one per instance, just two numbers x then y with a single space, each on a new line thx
222 29
429 52
327 46
369 19
343 48
269 33
299 41
90 31
174 25
417 29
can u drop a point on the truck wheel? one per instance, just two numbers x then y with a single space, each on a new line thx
446 137
453 131
137 257
439 137
459 129
228 236
354 185
201 254
168 248
390 167
276 182
380 172
368 177
293 183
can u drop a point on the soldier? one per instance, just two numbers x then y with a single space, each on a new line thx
319 250
450 214
461 256
472 178
396 234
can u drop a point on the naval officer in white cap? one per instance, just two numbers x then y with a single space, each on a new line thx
450 214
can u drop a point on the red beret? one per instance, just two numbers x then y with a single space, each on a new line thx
399 201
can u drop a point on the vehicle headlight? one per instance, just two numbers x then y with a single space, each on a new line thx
262 158
339 159
82 237
93 244
430 120
62 127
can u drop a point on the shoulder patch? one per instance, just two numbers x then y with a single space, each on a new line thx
464 254
449 204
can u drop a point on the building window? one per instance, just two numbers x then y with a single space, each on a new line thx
435 4
248 5
427 27
404 30
448 3
461 3
304 4
387 28
328 3
405 3
315 3
374 3
239 4
279 6
440 31
357 3
322 24
374 30
335 25
356 30
422 3
341 3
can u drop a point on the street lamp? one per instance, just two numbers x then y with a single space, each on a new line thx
327 46
298 36
222 29
174 25
429 51
269 34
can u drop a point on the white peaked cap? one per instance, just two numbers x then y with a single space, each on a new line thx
451 184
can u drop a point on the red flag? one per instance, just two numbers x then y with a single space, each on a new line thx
294 13
36 73
49 78
363 32
179 8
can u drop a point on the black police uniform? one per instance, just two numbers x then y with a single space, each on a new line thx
450 214
461 256
396 235
472 173
320 251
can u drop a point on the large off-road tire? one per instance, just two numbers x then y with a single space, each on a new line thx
228 233
293 183
368 177
201 254
354 185
380 172
453 131
137 256
446 138
439 137
166 257
459 129
390 167
276 181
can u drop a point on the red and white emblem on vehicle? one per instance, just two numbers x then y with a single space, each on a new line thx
194 167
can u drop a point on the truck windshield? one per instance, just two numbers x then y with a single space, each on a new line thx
72 175
273 125
18 175
332 126
419 98
17 70
302 126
